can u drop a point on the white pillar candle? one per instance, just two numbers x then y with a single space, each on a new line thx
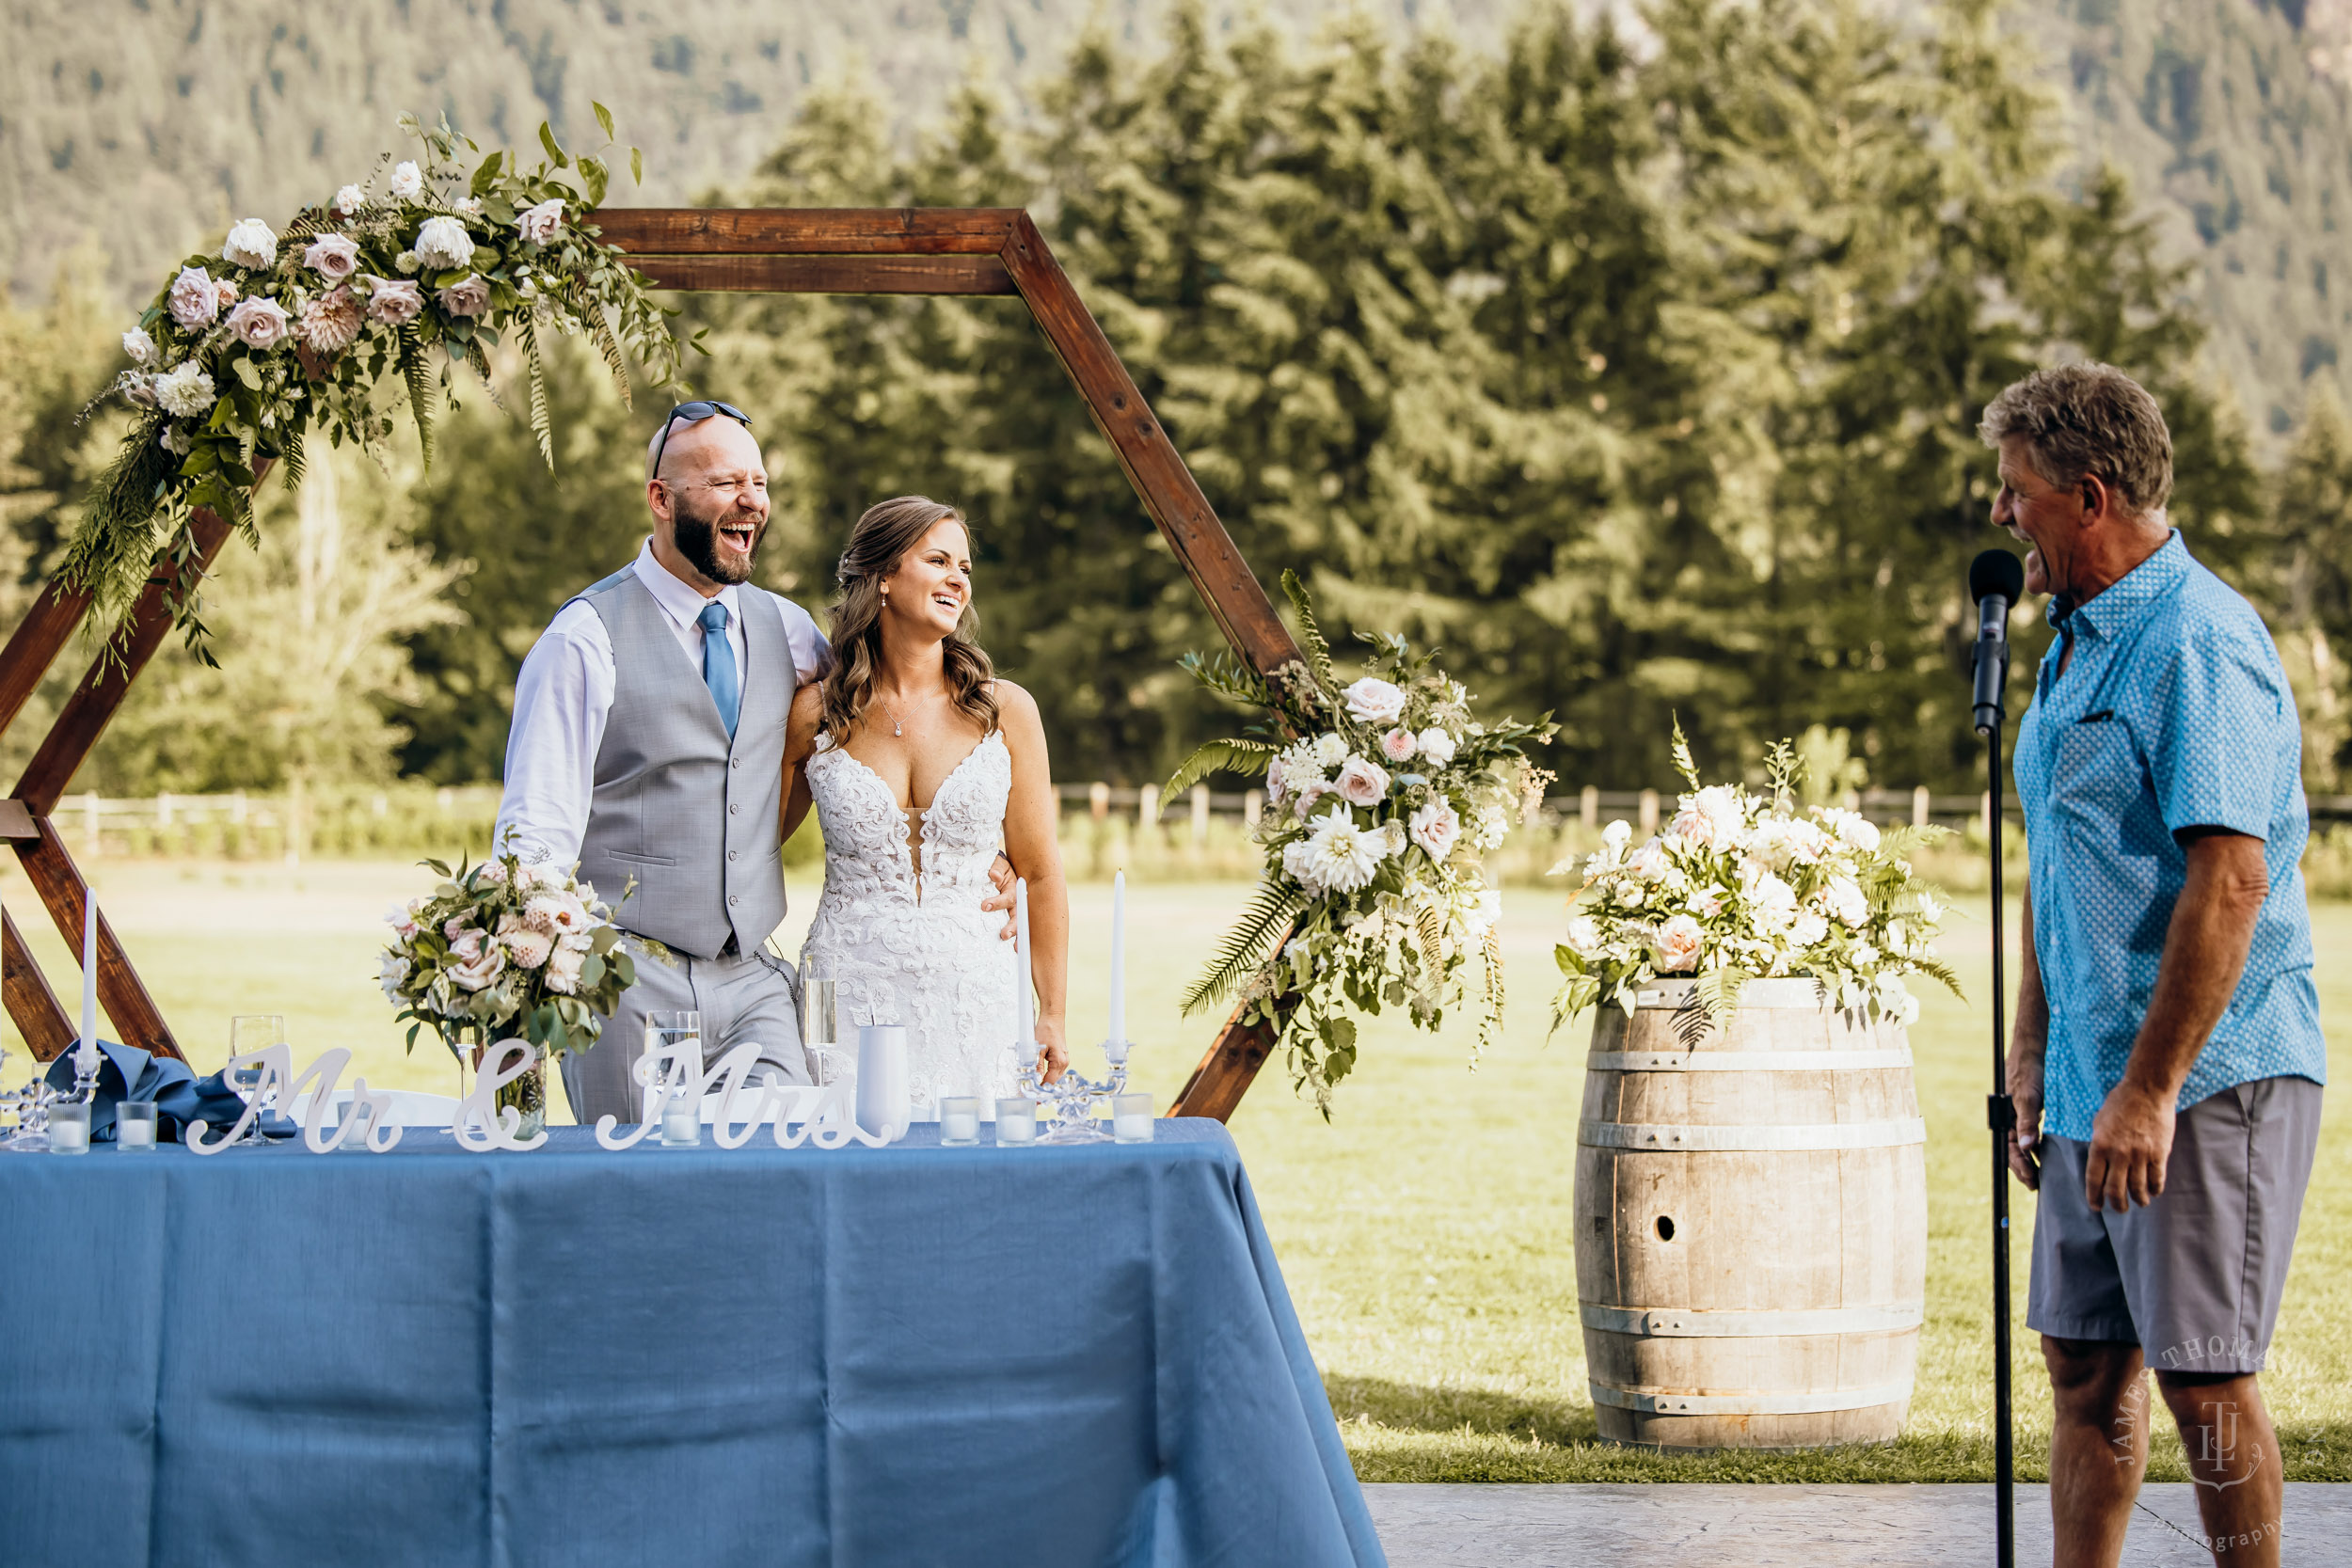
85 1054
681 1121
1021 967
959 1127
134 1135
1131 1127
69 1129
1119 962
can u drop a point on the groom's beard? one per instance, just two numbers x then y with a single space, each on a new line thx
698 542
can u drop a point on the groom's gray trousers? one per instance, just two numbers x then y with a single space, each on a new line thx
754 998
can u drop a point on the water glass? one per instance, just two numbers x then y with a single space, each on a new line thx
247 1034
134 1126
820 1024
959 1121
1016 1122
1131 1119
68 1127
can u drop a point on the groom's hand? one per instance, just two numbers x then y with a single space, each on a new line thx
1000 873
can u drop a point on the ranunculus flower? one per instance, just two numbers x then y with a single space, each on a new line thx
538 224
407 181
251 243
1437 827
1361 783
139 346
259 324
225 291
395 302
1675 948
442 243
1437 746
1398 745
350 199
562 971
468 296
1807 929
1374 701
481 973
331 322
1843 900
528 948
333 257
193 301
185 390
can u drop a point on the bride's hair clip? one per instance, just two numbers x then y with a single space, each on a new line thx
843 573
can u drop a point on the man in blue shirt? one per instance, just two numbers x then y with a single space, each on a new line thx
2167 1060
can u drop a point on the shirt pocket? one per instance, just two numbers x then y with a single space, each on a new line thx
2096 779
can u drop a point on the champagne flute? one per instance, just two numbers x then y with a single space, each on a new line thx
249 1033
820 1027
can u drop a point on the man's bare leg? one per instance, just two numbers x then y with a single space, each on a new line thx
2233 1458
2098 1448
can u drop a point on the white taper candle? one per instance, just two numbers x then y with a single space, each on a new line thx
85 1054
1020 981
1118 959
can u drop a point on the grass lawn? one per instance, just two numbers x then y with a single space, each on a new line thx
1425 1232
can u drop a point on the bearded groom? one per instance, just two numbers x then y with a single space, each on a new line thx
647 743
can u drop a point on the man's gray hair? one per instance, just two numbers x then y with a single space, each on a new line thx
2089 419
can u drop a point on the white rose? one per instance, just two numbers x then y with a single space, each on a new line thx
1675 948
468 296
259 324
443 244
1398 745
1437 746
1616 835
139 346
394 973
1584 937
407 181
251 243
1375 701
1361 783
185 392
350 199
482 971
1843 898
1772 903
395 302
332 257
1437 827
193 301
538 224
1806 931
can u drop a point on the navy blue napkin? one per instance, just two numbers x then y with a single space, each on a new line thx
181 1097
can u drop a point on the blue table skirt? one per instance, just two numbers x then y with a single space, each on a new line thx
683 1358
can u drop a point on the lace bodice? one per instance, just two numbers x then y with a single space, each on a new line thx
913 948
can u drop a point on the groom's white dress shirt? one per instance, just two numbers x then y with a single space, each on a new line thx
563 696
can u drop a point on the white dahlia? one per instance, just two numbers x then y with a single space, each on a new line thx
185 390
442 244
251 243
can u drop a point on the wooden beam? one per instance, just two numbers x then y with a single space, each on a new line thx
39 1017
807 230
1227 1069
35 644
1184 514
120 991
828 275
16 822
86 713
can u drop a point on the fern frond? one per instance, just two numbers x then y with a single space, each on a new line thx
1217 756
1310 633
541 425
1936 969
1718 990
291 462
1245 948
601 332
419 380
1228 677
478 359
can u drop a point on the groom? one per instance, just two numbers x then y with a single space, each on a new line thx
648 744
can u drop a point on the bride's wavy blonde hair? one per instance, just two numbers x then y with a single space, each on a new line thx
880 540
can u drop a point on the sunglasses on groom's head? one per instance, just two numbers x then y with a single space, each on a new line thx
694 412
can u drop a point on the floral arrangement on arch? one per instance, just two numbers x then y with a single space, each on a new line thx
244 355
504 948
1382 795
1741 887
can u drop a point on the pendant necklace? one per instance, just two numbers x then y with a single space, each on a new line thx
896 728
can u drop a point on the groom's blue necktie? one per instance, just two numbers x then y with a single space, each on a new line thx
718 665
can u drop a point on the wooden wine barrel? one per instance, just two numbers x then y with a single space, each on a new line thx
1751 1222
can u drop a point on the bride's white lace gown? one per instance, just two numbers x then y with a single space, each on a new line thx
916 948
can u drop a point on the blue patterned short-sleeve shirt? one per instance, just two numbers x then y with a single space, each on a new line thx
2174 713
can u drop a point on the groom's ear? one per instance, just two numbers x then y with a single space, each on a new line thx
658 499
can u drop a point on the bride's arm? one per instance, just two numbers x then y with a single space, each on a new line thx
1031 818
800 741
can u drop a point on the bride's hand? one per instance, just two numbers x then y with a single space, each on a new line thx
1053 1057
1000 873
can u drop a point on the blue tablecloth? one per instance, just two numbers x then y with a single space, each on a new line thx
684 1357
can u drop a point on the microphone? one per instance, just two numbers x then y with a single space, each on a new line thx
1995 581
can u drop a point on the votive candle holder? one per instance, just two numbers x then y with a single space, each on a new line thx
1016 1122
959 1121
1131 1119
134 1126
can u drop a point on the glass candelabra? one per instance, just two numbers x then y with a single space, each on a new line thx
31 1104
1069 1101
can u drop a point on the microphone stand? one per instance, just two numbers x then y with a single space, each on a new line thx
2001 1116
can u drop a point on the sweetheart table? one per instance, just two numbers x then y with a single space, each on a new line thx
700 1357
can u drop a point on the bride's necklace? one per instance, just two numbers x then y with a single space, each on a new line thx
896 728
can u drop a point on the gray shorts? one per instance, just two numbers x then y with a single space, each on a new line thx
2194 1278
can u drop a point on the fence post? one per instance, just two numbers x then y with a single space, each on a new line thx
1919 807
1146 804
236 807
1252 809
1588 805
1099 800
162 809
1649 812
89 825
446 800
1200 814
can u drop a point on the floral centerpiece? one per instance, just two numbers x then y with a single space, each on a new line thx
245 354
501 948
1741 887
1382 795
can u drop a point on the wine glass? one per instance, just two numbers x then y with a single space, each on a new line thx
249 1033
821 1028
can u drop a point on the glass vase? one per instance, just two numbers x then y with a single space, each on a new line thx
528 1094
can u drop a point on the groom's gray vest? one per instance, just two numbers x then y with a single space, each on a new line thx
690 817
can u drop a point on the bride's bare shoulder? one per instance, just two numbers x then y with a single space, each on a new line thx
1014 703
800 727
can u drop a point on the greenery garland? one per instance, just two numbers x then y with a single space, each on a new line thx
244 355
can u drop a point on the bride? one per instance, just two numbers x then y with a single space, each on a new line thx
919 763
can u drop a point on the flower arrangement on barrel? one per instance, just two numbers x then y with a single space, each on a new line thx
244 355
1741 887
507 948
1382 796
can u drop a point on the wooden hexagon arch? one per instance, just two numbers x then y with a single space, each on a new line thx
917 250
